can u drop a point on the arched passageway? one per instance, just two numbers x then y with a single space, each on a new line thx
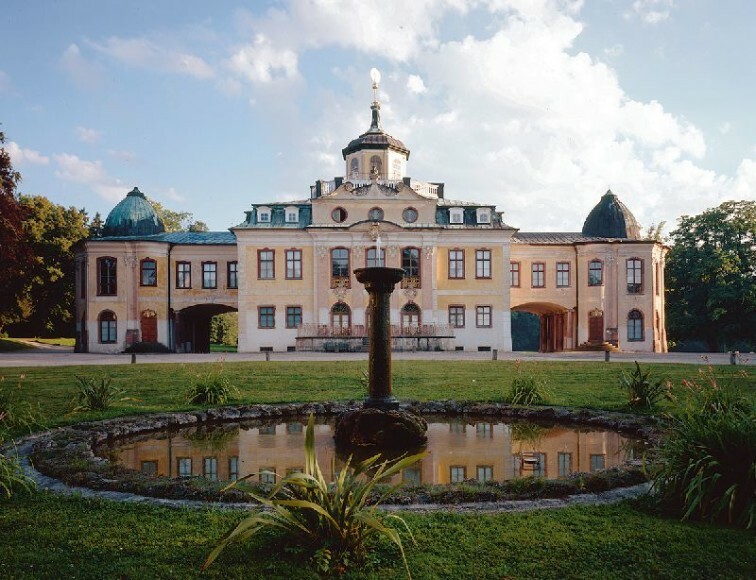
192 326
557 324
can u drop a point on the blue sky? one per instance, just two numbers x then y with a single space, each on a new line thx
536 106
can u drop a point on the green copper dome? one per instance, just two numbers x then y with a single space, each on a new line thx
133 216
611 219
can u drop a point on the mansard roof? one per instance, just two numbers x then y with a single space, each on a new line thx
177 238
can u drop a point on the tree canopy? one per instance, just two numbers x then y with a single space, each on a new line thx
711 277
177 221
15 252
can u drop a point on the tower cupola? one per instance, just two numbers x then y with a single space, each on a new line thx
611 219
133 216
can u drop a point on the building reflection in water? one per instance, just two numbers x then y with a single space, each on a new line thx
458 450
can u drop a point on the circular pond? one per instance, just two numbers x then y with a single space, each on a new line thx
481 448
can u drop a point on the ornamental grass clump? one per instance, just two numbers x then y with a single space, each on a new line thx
96 393
211 388
526 388
707 463
642 392
12 476
331 519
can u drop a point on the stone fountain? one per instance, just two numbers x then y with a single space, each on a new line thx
380 422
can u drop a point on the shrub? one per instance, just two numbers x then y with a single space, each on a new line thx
332 519
211 388
15 414
12 476
642 392
96 393
147 347
707 464
526 389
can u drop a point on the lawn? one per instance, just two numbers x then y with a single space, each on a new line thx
46 536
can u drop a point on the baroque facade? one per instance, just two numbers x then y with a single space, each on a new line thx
288 270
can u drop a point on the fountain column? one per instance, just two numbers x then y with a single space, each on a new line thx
380 282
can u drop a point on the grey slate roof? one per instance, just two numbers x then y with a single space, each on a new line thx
561 238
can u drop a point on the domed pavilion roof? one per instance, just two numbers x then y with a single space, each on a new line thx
133 216
611 219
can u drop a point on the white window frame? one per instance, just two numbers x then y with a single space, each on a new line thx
456 215
264 214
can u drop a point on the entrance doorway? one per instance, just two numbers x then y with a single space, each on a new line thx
596 325
148 326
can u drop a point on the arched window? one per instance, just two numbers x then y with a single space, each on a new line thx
635 325
595 273
341 319
148 269
108 327
340 268
376 165
410 318
107 276
354 168
411 267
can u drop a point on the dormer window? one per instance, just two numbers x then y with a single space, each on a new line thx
484 215
292 215
456 215
263 215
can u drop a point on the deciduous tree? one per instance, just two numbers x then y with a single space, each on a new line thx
711 277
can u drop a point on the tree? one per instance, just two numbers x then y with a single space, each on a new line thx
174 221
51 231
711 277
198 227
15 252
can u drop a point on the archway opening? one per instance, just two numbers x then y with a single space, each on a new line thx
192 326
526 331
556 325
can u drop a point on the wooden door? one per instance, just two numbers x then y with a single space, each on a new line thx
149 326
596 326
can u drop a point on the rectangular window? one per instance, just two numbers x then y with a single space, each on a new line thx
210 468
484 473
457 316
484 430
372 260
340 268
108 328
564 461
148 273
595 273
183 274
456 264
514 274
538 275
266 266
412 476
266 316
233 468
598 462
150 467
293 316
482 316
635 276
411 267
232 274
293 264
482 263
209 274
457 473
562 274
184 465
268 475
106 277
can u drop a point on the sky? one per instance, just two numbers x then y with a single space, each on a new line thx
536 106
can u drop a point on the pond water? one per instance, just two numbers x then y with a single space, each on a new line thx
484 449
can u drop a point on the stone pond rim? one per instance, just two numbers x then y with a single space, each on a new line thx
68 453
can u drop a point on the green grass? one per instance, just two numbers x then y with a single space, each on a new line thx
46 536
10 345
56 341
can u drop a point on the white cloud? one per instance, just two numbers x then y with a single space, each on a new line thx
20 156
614 51
148 54
87 135
90 173
123 155
84 74
651 11
724 127
415 84
173 195
260 62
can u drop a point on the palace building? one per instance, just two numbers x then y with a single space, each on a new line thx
287 270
